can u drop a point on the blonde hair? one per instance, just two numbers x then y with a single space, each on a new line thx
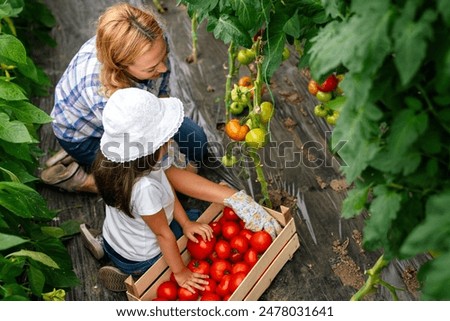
124 33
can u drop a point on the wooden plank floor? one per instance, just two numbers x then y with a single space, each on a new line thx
330 262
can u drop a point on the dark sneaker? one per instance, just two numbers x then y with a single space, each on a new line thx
112 278
92 241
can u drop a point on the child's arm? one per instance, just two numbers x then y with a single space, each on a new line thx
167 242
197 187
190 228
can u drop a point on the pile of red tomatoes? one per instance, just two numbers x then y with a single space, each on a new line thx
227 259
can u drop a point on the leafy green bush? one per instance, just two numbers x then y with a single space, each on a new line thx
33 257
394 114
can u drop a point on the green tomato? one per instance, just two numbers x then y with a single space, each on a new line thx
323 96
332 119
236 108
249 123
240 94
256 138
229 161
267 111
320 111
246 56
286 54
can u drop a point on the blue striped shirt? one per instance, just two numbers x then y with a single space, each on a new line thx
77 113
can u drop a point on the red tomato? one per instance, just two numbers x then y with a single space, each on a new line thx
240 267
236 257
202 249
226 297
210 296
219 268
210 287
212 257
236 279
223 249
223 288
159 299
230 229
246 233
167 290
186 295
239 244
216 227
329 84
260 241
229 214
198 266
251 257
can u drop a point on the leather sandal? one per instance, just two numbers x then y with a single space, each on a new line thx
69 178
60 157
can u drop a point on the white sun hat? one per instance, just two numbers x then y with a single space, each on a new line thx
136 123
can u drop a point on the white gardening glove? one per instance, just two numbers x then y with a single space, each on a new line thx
253 214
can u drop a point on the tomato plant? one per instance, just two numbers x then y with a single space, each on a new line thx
267 111
246 56
201 249
237 108
168 291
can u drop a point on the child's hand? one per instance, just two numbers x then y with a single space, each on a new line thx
203 230
190 280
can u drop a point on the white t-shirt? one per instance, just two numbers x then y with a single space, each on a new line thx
132 238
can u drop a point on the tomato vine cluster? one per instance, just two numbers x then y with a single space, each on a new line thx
226 259
326 93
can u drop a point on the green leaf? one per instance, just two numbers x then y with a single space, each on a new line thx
410 39
334 8
383 210
53 231
434 232
274 47
37 256
355 202
333 46
37 280
13 131
27 112
435 277
12 49
7 241
23 201
406 128
11 175
19 151
247 11
11 91
229 29
11 8
16 171
292 26
443 6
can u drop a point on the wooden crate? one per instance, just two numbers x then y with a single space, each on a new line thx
257 280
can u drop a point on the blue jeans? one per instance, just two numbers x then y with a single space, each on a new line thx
191 139
136 268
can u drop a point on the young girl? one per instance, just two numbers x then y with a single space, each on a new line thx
140 202
142 209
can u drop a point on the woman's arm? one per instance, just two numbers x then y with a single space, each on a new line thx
167 242
198 187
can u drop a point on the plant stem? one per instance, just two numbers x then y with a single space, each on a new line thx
374 280
194 27
231 72
261 178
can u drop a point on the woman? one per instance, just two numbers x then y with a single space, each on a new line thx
129 50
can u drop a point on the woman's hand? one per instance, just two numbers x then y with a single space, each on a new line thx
203 230
190 280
